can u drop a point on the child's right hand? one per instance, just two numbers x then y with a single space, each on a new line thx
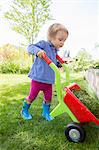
41 53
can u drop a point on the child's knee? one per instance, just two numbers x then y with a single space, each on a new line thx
30 99
47 101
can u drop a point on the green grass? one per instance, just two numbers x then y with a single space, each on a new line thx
38 134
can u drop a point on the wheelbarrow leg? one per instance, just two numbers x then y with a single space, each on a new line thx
60 109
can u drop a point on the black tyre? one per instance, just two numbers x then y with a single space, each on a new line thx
75 133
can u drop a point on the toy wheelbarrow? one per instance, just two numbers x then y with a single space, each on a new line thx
70 104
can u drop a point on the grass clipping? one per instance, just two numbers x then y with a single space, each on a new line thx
90 102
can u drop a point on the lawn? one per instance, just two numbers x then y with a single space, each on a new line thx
38 134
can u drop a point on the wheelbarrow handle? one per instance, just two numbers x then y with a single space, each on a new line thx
60 59
46 59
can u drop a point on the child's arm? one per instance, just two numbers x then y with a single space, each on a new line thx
36 49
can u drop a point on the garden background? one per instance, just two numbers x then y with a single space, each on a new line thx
27 18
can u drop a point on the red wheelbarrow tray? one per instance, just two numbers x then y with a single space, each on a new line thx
75 108
81 112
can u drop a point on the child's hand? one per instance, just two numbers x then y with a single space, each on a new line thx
41 53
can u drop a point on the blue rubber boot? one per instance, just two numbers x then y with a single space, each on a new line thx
46 112
24 112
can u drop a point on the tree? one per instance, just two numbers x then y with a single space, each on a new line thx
28 16
8 52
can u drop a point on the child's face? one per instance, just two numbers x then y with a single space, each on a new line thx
59 39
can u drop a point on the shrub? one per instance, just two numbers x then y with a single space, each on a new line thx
96 64
14 60
9 67
82 61
12 67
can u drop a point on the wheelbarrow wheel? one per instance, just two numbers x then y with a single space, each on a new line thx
75 133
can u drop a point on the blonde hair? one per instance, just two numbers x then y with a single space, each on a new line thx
54 28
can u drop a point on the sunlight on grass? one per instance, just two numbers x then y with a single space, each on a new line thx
13 79
38 134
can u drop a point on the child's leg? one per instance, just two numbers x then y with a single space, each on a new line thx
47 93
34 89
47 101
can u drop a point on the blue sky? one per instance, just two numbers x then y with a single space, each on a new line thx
81 17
